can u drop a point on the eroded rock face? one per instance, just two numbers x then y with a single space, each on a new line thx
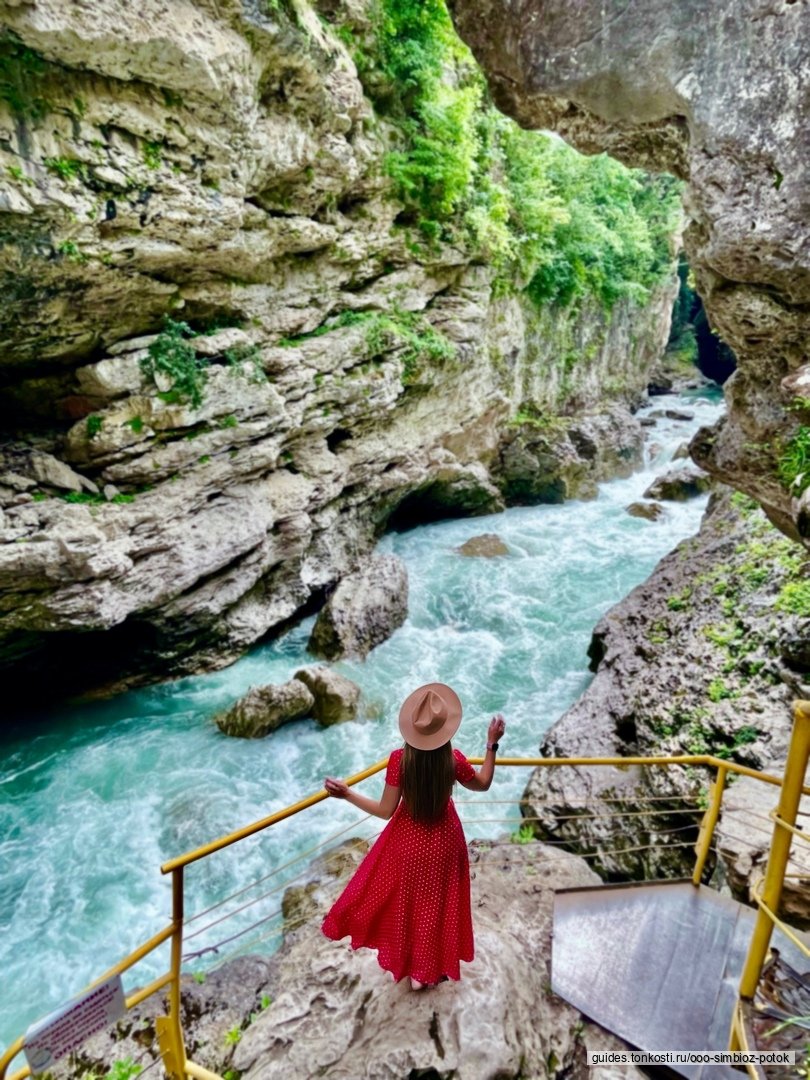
711 92
499 1020
550 462
318 1009
220 164
265 708
693 661
363 611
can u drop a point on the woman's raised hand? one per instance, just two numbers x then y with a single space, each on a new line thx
336 788
497 726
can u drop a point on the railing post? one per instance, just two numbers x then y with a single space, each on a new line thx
169 1028
789 799
708 823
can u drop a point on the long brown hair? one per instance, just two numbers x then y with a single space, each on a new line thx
427 780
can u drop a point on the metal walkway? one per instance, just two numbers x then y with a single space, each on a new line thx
658 964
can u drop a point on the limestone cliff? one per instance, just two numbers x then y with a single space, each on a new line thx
219 164
703 657
714 92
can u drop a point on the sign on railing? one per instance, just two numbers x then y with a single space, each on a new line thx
65 1030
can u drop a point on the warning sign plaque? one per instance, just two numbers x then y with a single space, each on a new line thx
67 1028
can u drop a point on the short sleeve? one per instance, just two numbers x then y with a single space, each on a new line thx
464 770
393 773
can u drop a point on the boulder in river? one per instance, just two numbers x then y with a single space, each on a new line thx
265 708
335 696
681 452
678 485
363 611
672 414
652 511
487 546
660 383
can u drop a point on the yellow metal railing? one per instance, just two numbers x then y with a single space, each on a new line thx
169 1028
768 895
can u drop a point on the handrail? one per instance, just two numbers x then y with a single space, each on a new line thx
263 823
533 762
769 895
170 1036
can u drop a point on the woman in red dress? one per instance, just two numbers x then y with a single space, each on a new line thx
410 897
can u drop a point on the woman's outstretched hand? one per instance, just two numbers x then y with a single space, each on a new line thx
497 726
336 788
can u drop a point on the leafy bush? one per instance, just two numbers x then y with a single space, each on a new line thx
123 1069
794 598
794 462
171 355
421 343
567 225
523 835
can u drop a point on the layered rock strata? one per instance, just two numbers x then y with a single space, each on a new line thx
703 657
221 165
713 93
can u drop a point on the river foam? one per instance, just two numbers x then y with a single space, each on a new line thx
97 797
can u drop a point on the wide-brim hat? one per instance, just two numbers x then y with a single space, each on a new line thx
430 716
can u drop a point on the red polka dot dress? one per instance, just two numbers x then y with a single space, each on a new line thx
410 897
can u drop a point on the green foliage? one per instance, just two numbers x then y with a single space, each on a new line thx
794 462
570 226
228 421
745 735
21 75
170 354
794 598
680 601
198 977
523 835
233 1036
718 691
421 344
123 1069
247 359
81 498
345 318
93 426
136 423
65 168
152 154
70 250
266 1000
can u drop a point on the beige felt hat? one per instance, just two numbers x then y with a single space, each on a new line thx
430 716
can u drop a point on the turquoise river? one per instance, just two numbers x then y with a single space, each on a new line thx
94 798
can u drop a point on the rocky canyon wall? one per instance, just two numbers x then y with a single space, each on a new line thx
220 165
716 93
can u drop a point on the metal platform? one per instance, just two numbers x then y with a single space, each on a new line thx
656 963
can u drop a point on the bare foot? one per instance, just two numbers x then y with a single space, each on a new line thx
416 985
